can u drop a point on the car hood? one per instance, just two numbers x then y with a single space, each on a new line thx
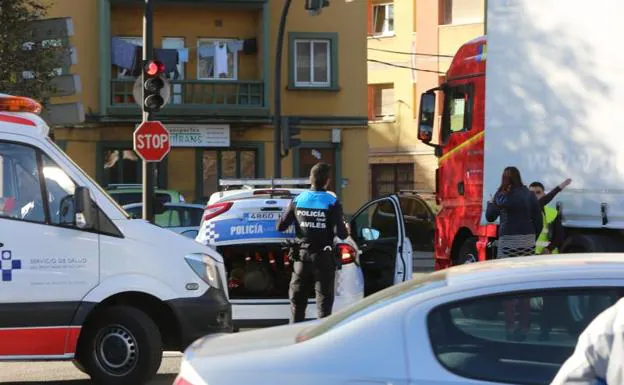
259 339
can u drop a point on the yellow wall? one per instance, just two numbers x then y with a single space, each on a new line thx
347 19
454 36
85 40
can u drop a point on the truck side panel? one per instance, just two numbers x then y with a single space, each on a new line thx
554 97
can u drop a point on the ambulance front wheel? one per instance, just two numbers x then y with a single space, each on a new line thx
121 346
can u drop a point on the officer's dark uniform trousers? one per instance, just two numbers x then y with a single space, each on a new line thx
318 269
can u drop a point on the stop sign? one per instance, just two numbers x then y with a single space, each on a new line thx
151 141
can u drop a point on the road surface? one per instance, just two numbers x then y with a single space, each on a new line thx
64 373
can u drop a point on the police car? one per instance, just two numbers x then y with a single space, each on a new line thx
81 280
240 222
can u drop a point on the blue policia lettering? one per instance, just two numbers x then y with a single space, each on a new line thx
8 264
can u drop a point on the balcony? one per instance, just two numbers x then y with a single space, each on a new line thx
196 97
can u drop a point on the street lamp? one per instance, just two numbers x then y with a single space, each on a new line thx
314 8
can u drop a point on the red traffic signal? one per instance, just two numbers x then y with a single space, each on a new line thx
154 68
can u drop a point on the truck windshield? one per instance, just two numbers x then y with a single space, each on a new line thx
61 152
378 300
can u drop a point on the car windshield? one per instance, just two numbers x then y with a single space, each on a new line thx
126 198
378 300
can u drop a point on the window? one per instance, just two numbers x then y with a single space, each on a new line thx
463 11
230 163
383 19
384 102
415 208
60 189
519 338
312 63
457 112
121 165
21 193
391 178
378 217
216 59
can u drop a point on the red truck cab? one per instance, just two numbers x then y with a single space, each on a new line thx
459 237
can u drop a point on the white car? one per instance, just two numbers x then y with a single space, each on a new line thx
182 218
241 225
422 331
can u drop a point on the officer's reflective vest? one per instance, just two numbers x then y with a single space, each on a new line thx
544 238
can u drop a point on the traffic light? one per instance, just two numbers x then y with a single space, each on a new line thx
290 134
316 6
155 86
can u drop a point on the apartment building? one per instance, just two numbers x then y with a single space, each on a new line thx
220 58
409 47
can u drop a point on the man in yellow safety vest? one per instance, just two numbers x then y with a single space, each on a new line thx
551 237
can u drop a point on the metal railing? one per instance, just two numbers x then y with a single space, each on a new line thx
198 93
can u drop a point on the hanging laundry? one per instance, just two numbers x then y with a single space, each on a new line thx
183 55
123 54
169 57
250 46
220 60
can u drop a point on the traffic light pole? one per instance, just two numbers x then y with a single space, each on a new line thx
277 133
148 167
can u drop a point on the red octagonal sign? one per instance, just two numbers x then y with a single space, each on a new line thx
151 141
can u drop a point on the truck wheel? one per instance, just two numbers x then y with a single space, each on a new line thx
467 252
122 346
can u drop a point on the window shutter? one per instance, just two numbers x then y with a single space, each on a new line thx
371 102
370 17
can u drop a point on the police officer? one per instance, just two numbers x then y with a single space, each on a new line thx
317 217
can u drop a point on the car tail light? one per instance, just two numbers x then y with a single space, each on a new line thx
181 381
346 253
216 210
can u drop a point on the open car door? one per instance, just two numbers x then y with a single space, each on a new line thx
385 252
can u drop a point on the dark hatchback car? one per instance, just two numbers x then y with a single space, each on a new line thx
419 221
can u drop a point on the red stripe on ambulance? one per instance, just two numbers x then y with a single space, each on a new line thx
42 341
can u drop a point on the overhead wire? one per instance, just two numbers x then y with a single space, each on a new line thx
411 53
402 66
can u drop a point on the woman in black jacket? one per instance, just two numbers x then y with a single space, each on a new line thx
520 224
520 216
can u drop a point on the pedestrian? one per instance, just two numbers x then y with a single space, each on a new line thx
520 223
599 354
317 216
551 237
549 241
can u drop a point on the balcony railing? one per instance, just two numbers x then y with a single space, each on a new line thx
200 94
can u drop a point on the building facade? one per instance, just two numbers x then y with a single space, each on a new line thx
220 58
410 45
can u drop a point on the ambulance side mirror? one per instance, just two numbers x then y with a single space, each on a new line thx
85 212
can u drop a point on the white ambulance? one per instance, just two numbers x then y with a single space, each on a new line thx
79 279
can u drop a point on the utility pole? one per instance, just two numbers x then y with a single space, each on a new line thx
148 167
277 133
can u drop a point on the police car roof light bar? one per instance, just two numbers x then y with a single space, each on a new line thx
251 183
